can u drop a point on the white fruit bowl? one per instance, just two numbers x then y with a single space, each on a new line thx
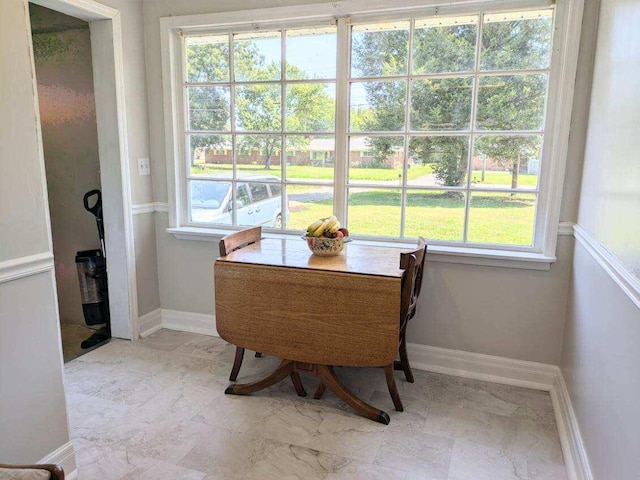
325 247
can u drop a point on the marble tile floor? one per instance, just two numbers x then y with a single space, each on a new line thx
156 409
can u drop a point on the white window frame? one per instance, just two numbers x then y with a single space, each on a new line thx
566 36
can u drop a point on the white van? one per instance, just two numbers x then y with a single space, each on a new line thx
257 202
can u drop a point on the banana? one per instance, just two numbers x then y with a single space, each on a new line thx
318 231
332 225
329 225
314 226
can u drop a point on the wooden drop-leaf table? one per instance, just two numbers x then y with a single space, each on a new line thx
315 313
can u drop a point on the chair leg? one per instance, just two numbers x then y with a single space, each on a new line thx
236 364
320 391
297 383
403 364
393 389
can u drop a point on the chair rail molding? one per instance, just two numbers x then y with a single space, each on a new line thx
25 266
626 280
153 207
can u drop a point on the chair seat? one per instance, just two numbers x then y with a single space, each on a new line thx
24 474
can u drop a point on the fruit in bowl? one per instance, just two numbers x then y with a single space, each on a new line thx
325 237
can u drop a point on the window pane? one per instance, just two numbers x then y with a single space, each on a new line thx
376 160
209 108
311 53
257 108
259 155
310 158
516 41
311 107
511 102
374 212
435 215
379 50
438 161
495 159
445 44
257 56
262 207
308 203
377 106
207 59
210 202
503 218
211 154
441 104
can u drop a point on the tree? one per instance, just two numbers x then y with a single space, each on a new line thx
448 155
508 102
513 102
509 151
257 106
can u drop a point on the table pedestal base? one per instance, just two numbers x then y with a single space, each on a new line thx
328 379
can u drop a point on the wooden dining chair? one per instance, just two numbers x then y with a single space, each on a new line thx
411 287
409 262
235 241
31 472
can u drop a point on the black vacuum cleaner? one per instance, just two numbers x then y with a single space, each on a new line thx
92 275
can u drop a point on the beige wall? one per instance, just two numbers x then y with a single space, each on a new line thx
600 361
138 145
600 354
498 311
146 263
70 141
19 174
33 419
610 194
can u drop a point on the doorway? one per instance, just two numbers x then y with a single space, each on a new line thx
64 75
78 64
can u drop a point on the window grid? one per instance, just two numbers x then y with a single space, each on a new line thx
341 195
472 133
233 131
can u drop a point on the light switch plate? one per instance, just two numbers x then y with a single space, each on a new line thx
143 166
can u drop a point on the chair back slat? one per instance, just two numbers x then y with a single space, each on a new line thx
414 281
408 264
237 240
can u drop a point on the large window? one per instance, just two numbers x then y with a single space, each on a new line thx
403 126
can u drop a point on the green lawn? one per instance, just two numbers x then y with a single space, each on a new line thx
493 218
503 178
296 172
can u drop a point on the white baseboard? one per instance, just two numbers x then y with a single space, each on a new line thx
509 371
575 455
189 322
65 456
150 323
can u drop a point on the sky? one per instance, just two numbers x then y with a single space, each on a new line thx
313 54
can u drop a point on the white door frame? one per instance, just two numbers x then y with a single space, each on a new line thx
108 81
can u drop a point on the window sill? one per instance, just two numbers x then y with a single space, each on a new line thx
436 253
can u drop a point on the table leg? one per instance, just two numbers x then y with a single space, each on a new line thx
328 379
333 383
237 363
283 371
